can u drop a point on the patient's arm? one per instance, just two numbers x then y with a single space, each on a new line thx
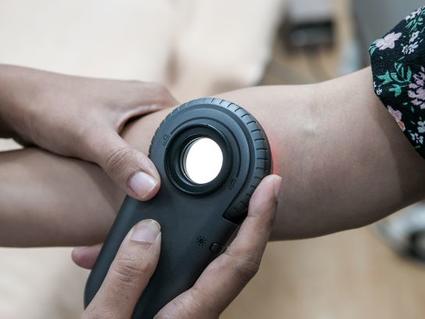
343 160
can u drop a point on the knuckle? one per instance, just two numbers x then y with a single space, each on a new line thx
176 306
245 267
128 269
160 94
163 94
116 160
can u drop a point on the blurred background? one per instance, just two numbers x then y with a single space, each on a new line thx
202 47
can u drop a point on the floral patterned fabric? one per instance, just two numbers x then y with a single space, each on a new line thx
398 67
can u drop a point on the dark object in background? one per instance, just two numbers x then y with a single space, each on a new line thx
308 24
404 232
374 18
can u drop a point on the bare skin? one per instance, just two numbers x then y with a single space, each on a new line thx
343 159
82 118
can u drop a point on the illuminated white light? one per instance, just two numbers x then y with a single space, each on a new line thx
203 160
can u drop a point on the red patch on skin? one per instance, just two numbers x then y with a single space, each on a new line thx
275 151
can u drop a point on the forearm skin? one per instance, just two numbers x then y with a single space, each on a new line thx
343 160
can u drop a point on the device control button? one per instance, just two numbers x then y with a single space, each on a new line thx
216 248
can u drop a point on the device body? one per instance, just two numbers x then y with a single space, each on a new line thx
197 220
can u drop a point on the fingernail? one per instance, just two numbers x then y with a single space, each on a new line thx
146 231
142 184
277 185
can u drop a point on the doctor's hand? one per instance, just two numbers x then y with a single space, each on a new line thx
82 117
214 290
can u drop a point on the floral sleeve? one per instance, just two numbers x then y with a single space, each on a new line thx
398 67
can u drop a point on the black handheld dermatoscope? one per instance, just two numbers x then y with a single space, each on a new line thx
197 216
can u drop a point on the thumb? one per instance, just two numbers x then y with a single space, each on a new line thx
132 170
129 273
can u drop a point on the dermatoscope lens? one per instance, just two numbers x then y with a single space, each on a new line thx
202 160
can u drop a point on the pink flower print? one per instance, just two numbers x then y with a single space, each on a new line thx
418 139
414 36
397 116
388 42
410 48
416 90
421 127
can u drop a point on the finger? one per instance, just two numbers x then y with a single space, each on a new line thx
139 98
132 93
226 276
132 170
85 257
129 273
